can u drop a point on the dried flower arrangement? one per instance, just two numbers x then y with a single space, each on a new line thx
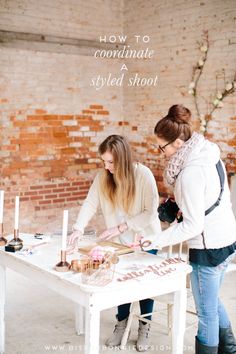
217 101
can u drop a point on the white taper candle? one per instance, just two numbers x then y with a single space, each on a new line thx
64 230
17 207
1 205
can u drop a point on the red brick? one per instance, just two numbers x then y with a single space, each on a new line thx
77 183
64 195
82 196
15 141
232 142
96 106
50 196
58 200
36 187
66 117
68 150
82 117
85 122
33 118
88 111
40 111
72 189
96 129
28 147
63 184
25 124
54 123
72 198
104 113
36 197
45 202
81 161
31 193
58 190
9 147
48 117
90 166
79 193
60 135
45 191
84 188
8 171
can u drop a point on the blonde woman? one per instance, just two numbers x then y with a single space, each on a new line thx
127 194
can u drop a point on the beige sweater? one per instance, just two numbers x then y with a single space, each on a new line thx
143 219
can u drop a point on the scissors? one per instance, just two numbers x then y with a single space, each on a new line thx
144 244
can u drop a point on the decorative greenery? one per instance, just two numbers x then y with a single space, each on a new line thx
219 96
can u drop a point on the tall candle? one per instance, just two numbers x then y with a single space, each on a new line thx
64 230
1 206
17 207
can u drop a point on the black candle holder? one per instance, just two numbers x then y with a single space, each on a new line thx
15 244
63 265
3 240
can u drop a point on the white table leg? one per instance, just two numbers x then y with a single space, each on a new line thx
2 307
92 331
127 329
179 319
79 319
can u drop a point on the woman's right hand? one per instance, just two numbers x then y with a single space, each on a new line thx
73 237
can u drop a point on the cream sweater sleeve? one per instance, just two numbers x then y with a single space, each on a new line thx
149 199
89 207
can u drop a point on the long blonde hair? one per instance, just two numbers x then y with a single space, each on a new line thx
118 187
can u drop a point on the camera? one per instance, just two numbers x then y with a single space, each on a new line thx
168 211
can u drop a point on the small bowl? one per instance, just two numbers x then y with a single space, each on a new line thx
80 265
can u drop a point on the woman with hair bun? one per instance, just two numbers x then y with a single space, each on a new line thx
208 223
127 194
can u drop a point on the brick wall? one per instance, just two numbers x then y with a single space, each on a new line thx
52 120
174 28
69 19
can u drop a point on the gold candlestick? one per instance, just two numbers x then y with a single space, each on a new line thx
63 265
3 240
15 244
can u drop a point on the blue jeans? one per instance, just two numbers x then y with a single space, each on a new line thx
206 282
146 305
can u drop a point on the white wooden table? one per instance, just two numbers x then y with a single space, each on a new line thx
39 267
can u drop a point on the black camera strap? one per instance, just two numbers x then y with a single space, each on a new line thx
221 174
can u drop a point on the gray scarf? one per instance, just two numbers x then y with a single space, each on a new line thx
176 162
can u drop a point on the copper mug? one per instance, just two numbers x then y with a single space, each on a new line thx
80 265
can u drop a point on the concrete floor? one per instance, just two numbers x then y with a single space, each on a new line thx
39 321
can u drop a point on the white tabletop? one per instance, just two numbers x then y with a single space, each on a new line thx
137 276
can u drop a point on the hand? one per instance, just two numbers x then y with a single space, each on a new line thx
73 237
109 233
136 244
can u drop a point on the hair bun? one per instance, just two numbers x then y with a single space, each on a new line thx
179 114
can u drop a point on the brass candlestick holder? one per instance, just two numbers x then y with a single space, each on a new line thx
15 244
63 265
3 240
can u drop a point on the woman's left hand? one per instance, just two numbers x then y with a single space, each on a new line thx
109 233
